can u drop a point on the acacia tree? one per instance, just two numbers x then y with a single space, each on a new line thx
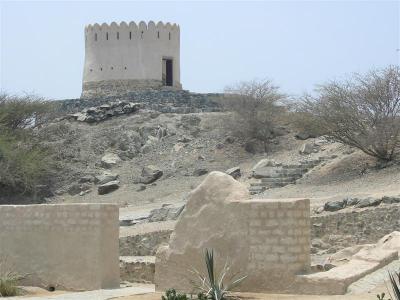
362 111
254 107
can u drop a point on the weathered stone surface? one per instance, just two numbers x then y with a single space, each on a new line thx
137 268
150 174
200 172
307 148
304 135
334 205
105 111
165 213
391 199
109 160
234 172
268 240
105 177
108 187
351 227
165 101
370 201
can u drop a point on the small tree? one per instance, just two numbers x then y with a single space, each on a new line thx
362 112
25 163
255 108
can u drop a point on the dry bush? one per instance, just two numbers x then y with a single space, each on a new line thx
255 107
362 111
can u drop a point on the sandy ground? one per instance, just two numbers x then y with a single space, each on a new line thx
251 296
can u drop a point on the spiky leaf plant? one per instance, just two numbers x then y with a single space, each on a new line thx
215 287
395 285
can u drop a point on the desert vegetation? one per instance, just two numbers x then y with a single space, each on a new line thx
25 166
256 106
8 279
362 111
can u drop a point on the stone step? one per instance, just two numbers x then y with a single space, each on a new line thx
279 180
137 268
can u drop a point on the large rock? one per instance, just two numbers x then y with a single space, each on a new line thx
108 187
200 172
307 148
150 174
334 205
370 201
234 172
105 177
109 160
165 213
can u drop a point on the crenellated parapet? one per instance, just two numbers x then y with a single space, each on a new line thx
124 31
131 56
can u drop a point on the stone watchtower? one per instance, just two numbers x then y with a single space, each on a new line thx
128 57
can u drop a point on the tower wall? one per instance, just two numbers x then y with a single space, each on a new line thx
126 57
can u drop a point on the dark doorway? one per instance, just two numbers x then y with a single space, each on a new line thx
167 75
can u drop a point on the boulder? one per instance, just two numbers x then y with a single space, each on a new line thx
304 135
165 213
334 205
234 172
391 199
150 174
370 201
108 187
184 139
109 160
74 189
307 148
86 178
352 201
105 177
200 172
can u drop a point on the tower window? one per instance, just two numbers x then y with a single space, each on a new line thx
112 68
141 35
107 36
130 35
91 70
95 37
158 34
125 68
169 35
117 35
101 69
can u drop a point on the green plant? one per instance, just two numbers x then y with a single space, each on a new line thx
8 280
212 286
171 294
394 279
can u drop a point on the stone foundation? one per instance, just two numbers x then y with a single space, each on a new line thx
164 101
353 227
69 247
96 89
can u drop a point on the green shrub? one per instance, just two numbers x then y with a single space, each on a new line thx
8 280
212 286
171 294
25 163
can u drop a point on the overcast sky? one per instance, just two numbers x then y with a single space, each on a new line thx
297 44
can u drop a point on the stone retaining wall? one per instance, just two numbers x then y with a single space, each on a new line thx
70 247
165 101
360 226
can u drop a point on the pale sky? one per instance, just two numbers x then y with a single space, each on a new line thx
297 44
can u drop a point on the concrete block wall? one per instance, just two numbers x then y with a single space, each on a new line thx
279 234
267 240
71 247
